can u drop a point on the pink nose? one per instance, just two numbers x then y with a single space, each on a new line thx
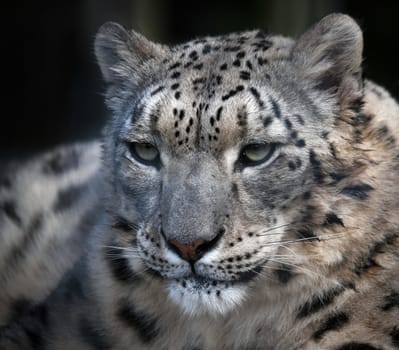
188 251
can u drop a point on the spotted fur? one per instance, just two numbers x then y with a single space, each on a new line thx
201 248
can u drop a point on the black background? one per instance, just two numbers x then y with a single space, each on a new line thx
52 87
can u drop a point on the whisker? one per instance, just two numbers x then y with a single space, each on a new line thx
275 228
305 239
305 270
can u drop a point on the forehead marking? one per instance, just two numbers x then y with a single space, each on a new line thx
157 90
232 93
275 107
173 66
256 94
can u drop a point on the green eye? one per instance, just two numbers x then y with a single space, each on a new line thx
144 153
257 153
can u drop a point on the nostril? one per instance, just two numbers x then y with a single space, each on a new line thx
208 245
188 251
194 250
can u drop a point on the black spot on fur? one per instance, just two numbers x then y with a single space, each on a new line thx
174 66
193 55
300 143
197 81
61 162
247 276
316 166
288 124
367 262
175 75
175 86
391 300
307 235
206 49
332 150
145 326
267 121
275 107
232 93
68 197
262 61
307 195
119 265
91 336
245 75
357 346
256 94
157 90
284 274
299 119
332 219
18 252
337 177
331 324
9 210
291 165
242 119
358 191
232 48
219 113
223 66
357 104
395 336
319 302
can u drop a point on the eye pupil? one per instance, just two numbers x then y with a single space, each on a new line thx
145 153
257 153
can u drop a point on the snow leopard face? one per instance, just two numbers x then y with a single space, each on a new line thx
215 150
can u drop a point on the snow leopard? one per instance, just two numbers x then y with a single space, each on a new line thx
244 195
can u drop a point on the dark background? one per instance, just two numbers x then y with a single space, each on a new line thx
49 46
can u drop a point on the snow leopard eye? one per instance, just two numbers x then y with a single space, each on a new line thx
145 153
257 153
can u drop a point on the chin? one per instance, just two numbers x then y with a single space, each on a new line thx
198 296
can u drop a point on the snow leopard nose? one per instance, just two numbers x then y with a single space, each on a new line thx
194 250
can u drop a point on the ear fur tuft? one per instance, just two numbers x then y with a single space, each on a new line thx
330 53
121 54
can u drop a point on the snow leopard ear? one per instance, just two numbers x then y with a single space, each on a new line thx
122 54
330 54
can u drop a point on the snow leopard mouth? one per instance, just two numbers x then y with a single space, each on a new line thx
243 277
197 293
